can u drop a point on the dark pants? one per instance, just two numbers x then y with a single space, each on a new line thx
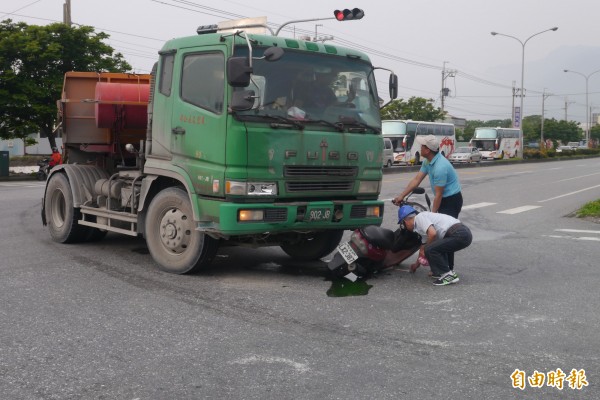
451 206
437 252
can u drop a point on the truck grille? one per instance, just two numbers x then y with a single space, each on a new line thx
297 172
325 186
358 212
275 215
301 171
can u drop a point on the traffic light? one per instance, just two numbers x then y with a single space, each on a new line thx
348 15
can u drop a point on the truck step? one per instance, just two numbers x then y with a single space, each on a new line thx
109 216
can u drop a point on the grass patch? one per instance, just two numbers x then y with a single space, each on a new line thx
591 209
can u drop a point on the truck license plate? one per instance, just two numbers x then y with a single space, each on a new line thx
347 252
318 214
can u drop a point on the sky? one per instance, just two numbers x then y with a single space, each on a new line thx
420 40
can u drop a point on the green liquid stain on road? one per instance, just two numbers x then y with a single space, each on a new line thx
345 288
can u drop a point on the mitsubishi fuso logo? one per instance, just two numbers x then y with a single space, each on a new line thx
323 146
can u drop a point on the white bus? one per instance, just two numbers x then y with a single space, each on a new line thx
497 143
402 134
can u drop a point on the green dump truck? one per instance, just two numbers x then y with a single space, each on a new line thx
221 143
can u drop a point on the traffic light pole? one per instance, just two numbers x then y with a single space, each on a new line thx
339 15
298 21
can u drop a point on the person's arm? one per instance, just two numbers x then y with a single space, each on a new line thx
437 198
414 182
431 234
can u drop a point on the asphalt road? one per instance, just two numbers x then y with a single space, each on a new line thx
100 321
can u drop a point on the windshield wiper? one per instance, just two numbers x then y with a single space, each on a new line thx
337 126
349 121
286 121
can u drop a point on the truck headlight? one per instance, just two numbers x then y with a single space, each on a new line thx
251 188
369 187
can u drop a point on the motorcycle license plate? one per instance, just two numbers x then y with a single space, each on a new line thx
347 252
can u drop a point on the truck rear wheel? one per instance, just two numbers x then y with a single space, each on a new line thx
171 234
61 216
314 246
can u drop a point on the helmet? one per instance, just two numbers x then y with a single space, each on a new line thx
404 212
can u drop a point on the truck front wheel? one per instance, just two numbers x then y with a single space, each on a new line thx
313 246
60 214
171 234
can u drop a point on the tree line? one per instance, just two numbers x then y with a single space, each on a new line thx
33 62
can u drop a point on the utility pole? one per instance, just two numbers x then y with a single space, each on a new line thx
316 35
544 97
317 38
567 102
445 91
67 13
514 94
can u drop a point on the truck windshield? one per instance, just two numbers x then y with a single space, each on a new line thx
312 88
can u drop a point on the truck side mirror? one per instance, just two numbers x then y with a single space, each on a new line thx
242 100
238 71
393 86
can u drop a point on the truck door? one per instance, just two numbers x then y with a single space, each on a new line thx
198 125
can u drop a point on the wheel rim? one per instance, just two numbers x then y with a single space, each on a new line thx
58 208
175 231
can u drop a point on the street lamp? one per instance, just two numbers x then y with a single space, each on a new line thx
523 43
587 108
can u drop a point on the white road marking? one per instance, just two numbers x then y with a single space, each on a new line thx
21 185
299 367
518 210
524 172
576 231
569 194
478 205
578 177
584 238
11 184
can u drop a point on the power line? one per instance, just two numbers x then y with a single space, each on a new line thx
219 13
19 9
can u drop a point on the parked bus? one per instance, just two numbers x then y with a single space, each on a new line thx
402 134
497 143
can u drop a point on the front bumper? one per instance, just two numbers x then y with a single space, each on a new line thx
295 216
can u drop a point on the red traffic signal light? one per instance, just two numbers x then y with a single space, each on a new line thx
347 15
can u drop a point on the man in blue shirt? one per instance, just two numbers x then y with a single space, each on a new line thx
442 177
